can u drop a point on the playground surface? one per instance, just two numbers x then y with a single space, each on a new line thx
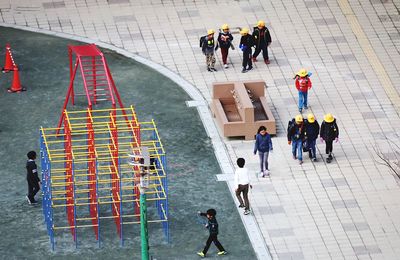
192 165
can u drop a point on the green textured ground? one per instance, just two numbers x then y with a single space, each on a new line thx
192 165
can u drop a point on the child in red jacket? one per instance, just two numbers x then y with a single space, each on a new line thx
303 84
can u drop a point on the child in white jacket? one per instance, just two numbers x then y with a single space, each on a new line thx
242 183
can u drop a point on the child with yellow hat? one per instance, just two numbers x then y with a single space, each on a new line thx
225 39
303 84
329 132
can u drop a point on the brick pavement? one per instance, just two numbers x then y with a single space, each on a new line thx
345 210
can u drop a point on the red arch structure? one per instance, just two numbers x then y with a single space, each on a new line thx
98 83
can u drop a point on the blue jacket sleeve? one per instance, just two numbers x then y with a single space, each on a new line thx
270 143
256 145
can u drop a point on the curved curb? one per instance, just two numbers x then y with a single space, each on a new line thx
222 155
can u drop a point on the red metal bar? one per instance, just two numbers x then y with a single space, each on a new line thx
71 75
94 79
69 93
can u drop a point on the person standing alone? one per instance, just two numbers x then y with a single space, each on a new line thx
32 178
263 146
303 84
242 184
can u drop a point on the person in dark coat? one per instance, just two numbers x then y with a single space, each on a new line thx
263 146
208 47
311 135
246 42
225 39
212 226
262 39
329 132
295 136
32 178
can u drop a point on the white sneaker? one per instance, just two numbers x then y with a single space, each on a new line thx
261 174
226 66
266 173
29 201
247 212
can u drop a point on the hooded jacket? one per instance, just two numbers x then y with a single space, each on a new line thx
329 131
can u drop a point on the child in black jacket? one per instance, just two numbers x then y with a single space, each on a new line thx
32 178
212 226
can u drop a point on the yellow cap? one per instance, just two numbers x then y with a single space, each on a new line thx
302 73
210 31
298 118
311 118
329 118
244 31
225 27
260 23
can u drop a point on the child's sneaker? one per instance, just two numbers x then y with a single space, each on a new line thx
221 253
300 162
208 69
213 69
247 212
249 68
244 70
261 174
201 254
266 173
29 201
34 202
241 206
226 66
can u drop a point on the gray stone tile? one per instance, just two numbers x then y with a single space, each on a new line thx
276 44
291 256
334 39
343 57
354 76
124 18
360 226
340 204
188 13
281 82
118 1
364 250
271 210
250 9
196 32
53 5
279 62
373 115
325 21
336 182
363 95
281 232
313 4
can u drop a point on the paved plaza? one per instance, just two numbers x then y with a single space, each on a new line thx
348 209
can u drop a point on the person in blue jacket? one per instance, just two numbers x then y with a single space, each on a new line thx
263 145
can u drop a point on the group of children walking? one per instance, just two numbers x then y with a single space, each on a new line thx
260 39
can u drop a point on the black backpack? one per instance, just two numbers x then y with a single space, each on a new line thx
290 126
202 40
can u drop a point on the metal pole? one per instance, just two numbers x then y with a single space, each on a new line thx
143 226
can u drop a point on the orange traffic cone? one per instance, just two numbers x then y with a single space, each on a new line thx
16 83
9 62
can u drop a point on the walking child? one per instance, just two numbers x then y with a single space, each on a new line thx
262 39
303 84
208 46
212 226
311 135
225 39
329 132
32 177
295 137
246 42
263 146
242 183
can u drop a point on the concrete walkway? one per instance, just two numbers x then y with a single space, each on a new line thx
346 210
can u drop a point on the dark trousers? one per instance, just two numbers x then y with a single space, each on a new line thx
213 238
33 188
245 190
329 146
224 54
311 147
262 47
247 58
